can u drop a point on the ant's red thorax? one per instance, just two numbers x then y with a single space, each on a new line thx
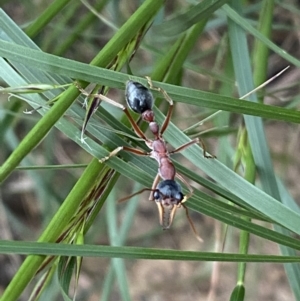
166 169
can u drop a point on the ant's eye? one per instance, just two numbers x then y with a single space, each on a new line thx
156 195
179 196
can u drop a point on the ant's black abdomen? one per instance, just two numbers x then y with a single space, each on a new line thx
138 97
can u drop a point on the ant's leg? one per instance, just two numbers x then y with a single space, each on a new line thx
127 149
194 141
191 223
159 205
168 99
208 156
134 194
184 146
134 125
182 179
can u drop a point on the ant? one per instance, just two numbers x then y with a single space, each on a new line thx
167 193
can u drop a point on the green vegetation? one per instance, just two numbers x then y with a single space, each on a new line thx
205 55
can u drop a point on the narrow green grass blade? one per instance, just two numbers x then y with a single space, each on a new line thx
26 248
186 43
254 125
194 15
51 11
120 240
261 51
238 293
117 263
232 14
65 270
82 25
292 270
49 63
65 16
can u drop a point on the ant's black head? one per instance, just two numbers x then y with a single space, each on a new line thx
138 97
168 197
168 192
